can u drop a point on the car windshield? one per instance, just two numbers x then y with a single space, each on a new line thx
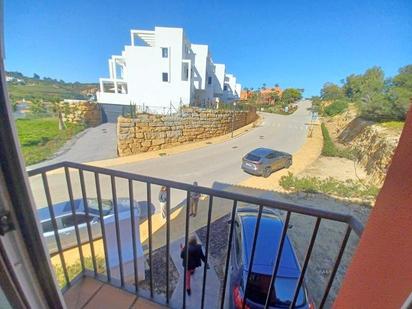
252 157
281 296
93 204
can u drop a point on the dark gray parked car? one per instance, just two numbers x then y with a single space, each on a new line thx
265 161
65 220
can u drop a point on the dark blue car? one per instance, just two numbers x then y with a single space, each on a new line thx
270 231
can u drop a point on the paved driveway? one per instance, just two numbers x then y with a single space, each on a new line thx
98 143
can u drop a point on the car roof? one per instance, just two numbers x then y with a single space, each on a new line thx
270 230
60 209
261 152
63 208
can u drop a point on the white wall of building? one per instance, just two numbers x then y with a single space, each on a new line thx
219 77
136 76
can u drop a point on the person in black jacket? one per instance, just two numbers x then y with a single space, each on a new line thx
196 255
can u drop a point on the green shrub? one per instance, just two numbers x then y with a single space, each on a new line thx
278 109
330 150
337 107
330 186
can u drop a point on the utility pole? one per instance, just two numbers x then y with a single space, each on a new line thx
233 117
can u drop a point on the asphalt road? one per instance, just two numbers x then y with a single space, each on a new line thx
215 166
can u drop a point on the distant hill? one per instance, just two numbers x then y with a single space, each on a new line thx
46 88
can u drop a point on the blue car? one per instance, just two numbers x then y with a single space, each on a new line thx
270 230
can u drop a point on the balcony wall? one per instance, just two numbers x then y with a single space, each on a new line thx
113 98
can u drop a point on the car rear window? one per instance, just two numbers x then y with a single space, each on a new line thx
282 294
252 157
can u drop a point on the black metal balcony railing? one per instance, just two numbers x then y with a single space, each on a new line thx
350 221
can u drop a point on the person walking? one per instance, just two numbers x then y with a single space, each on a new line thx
194 201
196 255
163 200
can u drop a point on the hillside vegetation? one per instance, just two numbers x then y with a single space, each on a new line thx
377 98
35 88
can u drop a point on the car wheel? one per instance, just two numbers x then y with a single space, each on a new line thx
266 172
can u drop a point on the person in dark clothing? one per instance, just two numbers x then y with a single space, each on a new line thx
196 255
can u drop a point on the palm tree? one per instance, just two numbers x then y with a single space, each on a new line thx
59 110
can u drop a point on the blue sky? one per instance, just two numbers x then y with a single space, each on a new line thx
294 43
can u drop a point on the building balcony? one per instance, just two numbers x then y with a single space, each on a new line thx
124 252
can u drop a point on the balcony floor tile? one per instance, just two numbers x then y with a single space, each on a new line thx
79 294
111 297
90 293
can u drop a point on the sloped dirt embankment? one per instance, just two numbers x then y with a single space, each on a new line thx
373 146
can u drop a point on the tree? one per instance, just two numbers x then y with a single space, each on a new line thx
373 81
36 76
274 96
404 78
263 86
370 83
401 90
380 107
37 107
353 87
59 109
331 91
291 95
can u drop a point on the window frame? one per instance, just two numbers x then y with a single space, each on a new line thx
165 52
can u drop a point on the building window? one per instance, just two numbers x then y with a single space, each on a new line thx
165 52
225 88
185 71
165 77
209 80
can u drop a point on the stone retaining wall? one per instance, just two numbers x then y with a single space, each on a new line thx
149 132
80 112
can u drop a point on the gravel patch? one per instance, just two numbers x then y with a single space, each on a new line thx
219 234
159 273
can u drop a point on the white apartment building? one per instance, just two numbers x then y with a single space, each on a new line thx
161 70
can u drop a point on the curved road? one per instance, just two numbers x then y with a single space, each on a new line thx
215 166
221 162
